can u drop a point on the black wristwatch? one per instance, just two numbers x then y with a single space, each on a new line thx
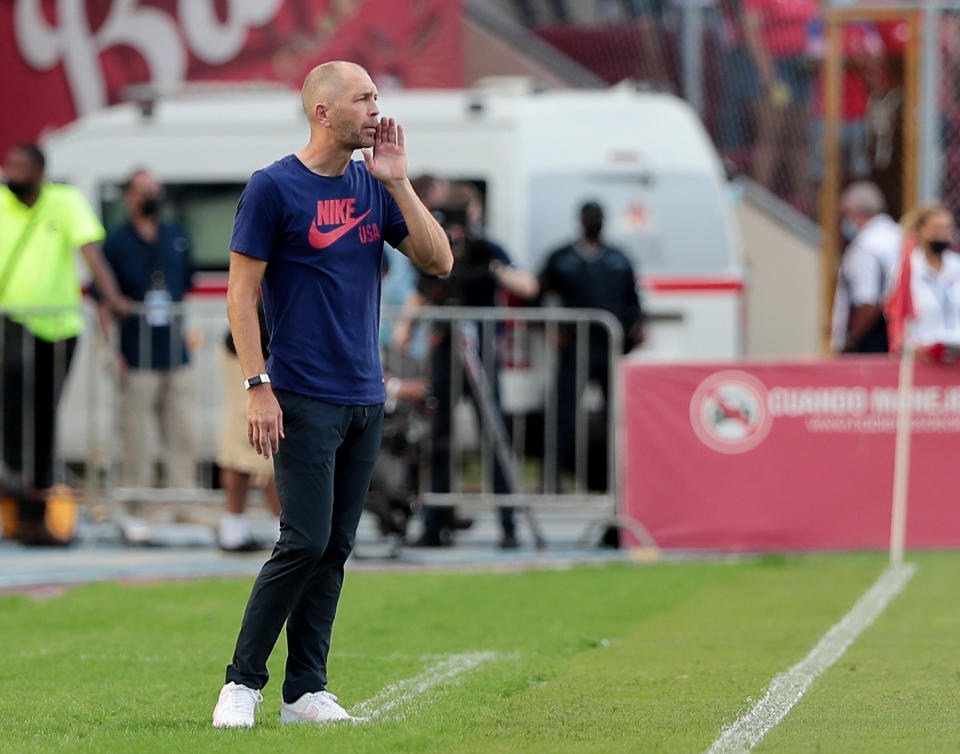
258 379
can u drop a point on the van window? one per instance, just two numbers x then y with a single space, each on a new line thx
666 224
205 210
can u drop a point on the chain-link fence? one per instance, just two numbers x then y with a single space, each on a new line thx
754 70
942 156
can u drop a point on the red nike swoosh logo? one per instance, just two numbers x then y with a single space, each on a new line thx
320 239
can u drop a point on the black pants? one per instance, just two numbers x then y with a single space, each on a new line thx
876 340
323 472
597 369
34 373
437 517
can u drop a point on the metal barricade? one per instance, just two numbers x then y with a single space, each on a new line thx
484 349
85 404
508 364
86 396
172 353
36 374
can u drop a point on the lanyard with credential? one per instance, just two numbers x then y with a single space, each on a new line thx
157 301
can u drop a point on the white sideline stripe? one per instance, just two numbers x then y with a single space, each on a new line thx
403 691
786 689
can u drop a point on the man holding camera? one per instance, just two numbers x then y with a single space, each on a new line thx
482 268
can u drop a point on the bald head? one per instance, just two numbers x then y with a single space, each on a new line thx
326 83
340 100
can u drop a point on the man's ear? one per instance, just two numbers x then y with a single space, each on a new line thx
322 114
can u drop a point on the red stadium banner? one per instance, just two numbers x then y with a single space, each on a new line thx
65 58
788 456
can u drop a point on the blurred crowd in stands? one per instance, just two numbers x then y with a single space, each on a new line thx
760 84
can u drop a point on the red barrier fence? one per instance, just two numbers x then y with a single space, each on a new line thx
788 456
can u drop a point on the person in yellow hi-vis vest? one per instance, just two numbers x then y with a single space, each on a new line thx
41 224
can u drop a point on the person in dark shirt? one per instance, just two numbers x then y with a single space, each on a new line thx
482 268
589 274
150 257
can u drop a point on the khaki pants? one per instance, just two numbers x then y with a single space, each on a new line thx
234 450
163 399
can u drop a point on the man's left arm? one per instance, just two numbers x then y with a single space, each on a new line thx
519 283
426 244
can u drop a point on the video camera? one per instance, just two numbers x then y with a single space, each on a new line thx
472 255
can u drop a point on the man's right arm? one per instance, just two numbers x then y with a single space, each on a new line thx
264 417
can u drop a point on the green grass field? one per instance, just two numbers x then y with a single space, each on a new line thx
593 659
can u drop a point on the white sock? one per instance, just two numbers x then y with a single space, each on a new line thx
234 529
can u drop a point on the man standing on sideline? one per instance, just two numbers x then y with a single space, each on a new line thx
150 257
868 263
41 224
311 227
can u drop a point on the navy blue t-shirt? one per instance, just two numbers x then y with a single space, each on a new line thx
140 265
322 238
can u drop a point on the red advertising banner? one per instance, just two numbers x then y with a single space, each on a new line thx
65 58
788 456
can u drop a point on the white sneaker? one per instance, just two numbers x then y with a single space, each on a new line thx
236 706
315 707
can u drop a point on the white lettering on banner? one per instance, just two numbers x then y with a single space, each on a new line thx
884 400
152 32
733 411
934 400
875 424
806 401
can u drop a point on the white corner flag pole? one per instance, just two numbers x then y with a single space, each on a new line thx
901 455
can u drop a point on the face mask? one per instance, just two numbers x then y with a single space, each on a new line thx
591 230
939 246
20 189
848 228
150 206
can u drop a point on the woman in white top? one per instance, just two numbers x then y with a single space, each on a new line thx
934 278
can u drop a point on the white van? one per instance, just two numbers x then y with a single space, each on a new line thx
536 155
